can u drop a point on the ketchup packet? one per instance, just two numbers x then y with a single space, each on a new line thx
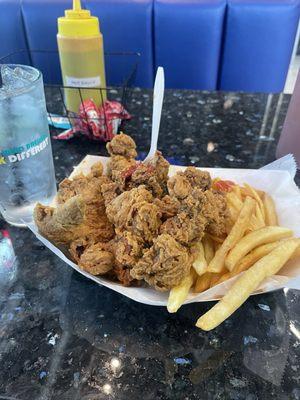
98 123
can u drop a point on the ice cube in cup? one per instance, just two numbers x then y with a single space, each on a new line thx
16 78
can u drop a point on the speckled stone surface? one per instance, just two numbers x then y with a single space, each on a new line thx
64 337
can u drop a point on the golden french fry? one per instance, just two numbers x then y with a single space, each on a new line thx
254 224
208 249
217 246
257 198
264 235
259 217
247 283
234 201
237 191
236 233
270 210
245 192
200 264
216 276
233 212
253 256
178 294
224 278
203 282
296 253
216 239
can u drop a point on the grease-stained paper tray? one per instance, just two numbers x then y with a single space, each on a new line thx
278 183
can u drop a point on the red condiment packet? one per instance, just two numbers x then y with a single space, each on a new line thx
98 123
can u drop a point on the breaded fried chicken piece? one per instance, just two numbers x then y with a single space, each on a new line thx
109 192
134 211
62 224
144 174
161 167
127 248
181 184
77 217
119 209
116 167
179 187
164 265
189 224
97 259
216 213
197 178
122 273
168 206
89 187
186 230
122 145
81 184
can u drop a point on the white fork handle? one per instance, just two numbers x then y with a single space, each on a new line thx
158 96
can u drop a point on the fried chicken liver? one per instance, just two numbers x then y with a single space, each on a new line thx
164 265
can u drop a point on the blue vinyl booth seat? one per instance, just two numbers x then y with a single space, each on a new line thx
12 30
188 37
126 26
202 44
258 44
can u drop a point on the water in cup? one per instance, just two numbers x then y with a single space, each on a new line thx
26 163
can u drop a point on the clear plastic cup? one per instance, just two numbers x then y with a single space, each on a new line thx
26 162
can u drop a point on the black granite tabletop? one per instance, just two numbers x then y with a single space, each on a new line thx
64 337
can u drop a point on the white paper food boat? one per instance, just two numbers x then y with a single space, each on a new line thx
278 182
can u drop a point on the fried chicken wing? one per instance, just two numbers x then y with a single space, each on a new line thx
164 265
122 145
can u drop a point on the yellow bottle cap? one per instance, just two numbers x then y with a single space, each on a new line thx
78 22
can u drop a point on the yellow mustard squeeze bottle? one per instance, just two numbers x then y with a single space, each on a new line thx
80 45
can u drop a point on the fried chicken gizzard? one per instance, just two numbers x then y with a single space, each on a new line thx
133 223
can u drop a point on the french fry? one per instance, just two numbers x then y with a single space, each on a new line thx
257 198
270 210
237 191
236 233
216 276
215 238
224 278
264 235
246 192
233 212
296 253
234 201
178 294
254 224
253 256
247 283
200 264
208 249
203 282
259 217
